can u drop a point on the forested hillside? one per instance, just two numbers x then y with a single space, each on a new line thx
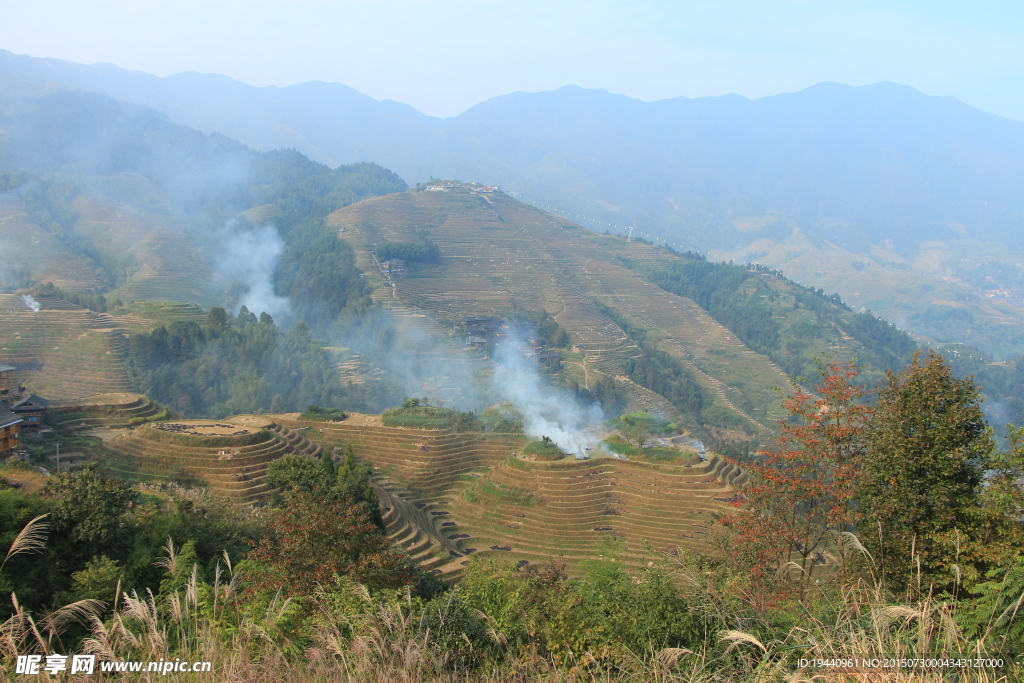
244 364
74 158
70 145
795 326
760 473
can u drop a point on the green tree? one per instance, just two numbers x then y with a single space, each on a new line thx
88 508
98 580
217 319
922 479
328 469
295 472
313 538
353 480
637 428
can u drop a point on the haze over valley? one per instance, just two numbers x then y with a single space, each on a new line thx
570 385
902 203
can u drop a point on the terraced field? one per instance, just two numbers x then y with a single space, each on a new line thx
229 457
498 254
446 496
106 412
160 261
66 352
514 511
63 351
47 259
164 263
532 511
423 460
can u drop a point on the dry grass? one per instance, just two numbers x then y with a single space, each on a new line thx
346 634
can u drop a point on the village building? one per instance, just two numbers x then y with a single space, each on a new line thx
517 328
32 410
8 387
392 267
483 327
9 428
548 359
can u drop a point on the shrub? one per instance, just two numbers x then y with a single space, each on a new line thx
544 450
318 414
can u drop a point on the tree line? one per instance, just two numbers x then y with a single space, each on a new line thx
751 301
909 483
241 364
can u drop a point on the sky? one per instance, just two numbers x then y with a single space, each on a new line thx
444 57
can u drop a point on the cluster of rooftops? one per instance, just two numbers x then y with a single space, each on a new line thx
481 332
394 266
472 187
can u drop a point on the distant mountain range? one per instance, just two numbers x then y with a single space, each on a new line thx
881 183
854 164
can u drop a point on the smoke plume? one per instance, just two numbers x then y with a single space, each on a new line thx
248 256
30 302
546 410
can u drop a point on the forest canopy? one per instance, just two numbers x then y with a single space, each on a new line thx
243 364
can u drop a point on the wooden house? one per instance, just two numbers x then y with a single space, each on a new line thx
9 428
483 327
31 409
8 387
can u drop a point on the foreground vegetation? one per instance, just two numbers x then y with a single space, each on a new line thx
873 529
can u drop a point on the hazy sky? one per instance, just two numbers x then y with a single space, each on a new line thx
443 56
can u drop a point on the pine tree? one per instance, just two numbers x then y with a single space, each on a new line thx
922 480
328 468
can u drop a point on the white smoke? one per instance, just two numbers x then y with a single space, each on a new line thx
30 302
546 411
249 255
426 361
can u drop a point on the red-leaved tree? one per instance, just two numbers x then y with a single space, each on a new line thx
801 490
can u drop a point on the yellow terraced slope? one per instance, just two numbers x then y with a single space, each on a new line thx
64 352
46 258
152 259
67 352
447 496
498 253
164 264
230 457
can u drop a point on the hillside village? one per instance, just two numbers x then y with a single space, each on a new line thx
475 188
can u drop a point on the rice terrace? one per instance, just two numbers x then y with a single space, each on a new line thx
268 407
